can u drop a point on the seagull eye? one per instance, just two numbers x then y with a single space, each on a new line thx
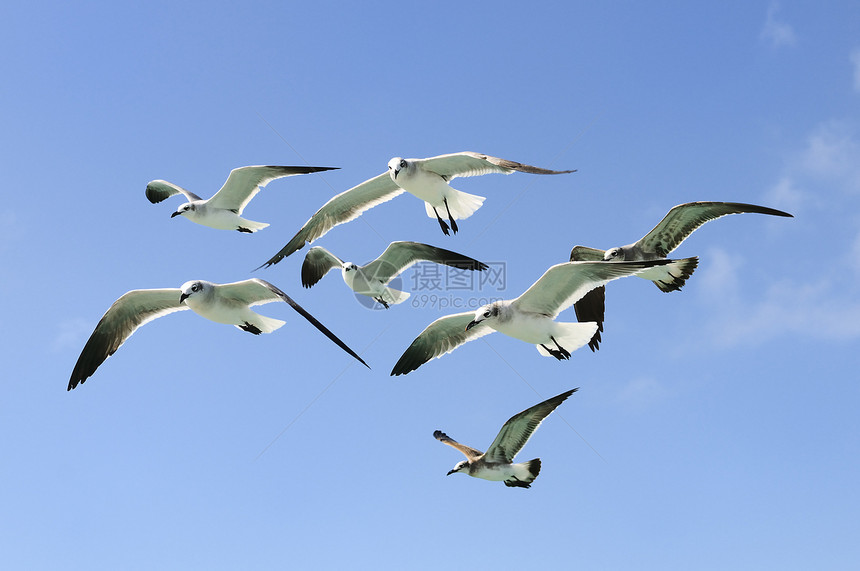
195 287
402 163
487 313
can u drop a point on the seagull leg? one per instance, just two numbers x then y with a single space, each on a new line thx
240 229
450 218
250 328
565 354
382 301
441 222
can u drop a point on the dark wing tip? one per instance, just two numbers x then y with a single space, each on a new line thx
439 435
154 195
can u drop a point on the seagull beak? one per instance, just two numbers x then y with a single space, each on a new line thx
472 324
175 214
182 297
451 472
396 171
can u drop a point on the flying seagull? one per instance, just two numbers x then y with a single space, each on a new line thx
425 178
222 303
675 227
496 463
372 279
530 317
223 211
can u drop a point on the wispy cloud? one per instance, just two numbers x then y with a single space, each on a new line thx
833 155
777 32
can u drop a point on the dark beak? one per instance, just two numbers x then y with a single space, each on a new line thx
451 472
395 173
182 297
175 214
472 324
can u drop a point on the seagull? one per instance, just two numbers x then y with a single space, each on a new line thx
530 317
681 221
425 178
496 464
372 279
222 303
223 211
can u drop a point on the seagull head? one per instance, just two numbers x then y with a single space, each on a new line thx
183 210
395 165
489 311
348 267
614 254
463 465
189 289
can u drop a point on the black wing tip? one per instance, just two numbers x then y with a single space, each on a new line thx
439 435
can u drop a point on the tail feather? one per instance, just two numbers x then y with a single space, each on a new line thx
394 296
256 324
460 204
525 477
675 274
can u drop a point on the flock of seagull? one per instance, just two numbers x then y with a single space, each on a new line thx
531 317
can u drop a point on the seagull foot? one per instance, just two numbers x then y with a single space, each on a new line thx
250 328
381 301
442 223
246 230
450 218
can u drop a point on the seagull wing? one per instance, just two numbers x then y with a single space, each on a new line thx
256 292
468 163
683 219
244 183
471 453
564 284
344 207
519 428
158 190
129 312
591 306
317 263
440 337
400 255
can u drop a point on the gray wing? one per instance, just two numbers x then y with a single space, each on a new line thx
256 291
440 337
344 207
244 183
591 306
468 163
400 255
129 312
158 190
470 453
683 219
317 263
519 428
564 284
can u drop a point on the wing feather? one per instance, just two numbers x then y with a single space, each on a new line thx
120 321
244 183
470 453
467 163
519 428
158 190
398 256
318 262
440 337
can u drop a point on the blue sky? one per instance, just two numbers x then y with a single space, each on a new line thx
716 428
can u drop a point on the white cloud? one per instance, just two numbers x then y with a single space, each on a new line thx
775 31
832 154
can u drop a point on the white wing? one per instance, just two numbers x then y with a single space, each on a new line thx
129 312
400 255
440 337
158 190
245 182
318 262
344 207
683 219
468 163
519 428
563 284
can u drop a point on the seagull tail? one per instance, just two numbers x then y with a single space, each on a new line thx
524 474
394 296
249 226
570 336
256 323
673 276
460 204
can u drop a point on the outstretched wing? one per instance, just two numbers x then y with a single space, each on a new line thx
519 428
468 163
440 337
471 453
683 219
244 183
158 190
256 291
318 262
129 312
344 207
591 306
400 255
563 284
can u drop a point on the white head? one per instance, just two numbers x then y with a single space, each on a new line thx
614 254
193 289
488 313
460 467
348 267
185 209
396 165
